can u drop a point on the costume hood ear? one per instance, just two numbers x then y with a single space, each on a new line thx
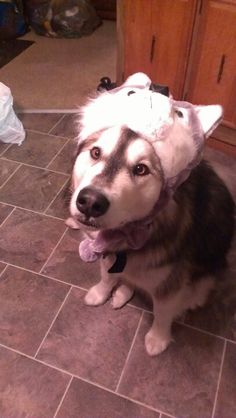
210 117
138 80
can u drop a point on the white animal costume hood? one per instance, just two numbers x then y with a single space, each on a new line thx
176 129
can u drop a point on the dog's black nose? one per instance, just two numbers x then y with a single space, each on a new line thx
91 202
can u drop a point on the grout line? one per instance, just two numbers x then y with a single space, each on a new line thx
58 152
59 120
53 200
4 269
120 395
40 271
151 408
75 286
47 111
129 352
55 279
35 359
53 321
35 166
86 290
203 330
13 209
44 275
63 397
9 145
219 379
106 389
36 131
139 308
12 174
49 277
31 210
39 168
72 375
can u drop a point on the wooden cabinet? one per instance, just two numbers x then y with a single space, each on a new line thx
134 37
189 45
213 70
172 23
156 38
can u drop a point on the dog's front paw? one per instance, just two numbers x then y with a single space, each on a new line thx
121 296
95 296
156 344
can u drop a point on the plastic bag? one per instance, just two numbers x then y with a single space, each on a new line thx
12 23
11 128
64 18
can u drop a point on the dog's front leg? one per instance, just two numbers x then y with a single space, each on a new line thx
122 295
101 292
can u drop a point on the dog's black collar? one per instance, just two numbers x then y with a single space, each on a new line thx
120 263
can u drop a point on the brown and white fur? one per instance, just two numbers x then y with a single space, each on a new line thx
189 238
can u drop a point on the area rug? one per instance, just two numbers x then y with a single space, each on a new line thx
11 49
60 73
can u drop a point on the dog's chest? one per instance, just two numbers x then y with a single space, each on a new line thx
138 270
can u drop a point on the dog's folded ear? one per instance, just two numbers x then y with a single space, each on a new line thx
210 117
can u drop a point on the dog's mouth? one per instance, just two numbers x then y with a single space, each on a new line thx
89 223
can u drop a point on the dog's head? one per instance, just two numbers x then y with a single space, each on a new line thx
133 145
116 179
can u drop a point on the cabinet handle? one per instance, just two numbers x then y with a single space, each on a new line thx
152 48
221 68
200 7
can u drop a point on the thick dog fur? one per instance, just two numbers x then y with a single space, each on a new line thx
190 237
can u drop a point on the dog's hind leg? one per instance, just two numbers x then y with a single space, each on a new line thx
201 291
122 295
168 308
165 310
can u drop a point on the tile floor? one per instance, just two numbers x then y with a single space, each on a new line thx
59 358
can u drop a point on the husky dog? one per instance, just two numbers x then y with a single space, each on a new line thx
156 214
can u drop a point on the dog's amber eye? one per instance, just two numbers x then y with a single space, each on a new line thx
140 170
179 113
95 153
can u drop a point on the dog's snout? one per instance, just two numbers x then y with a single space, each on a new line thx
91 202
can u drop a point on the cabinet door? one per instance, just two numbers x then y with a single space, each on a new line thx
213 78
172 27
134 37
154 36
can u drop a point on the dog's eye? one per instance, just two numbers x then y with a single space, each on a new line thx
179 113
140 170
95 153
